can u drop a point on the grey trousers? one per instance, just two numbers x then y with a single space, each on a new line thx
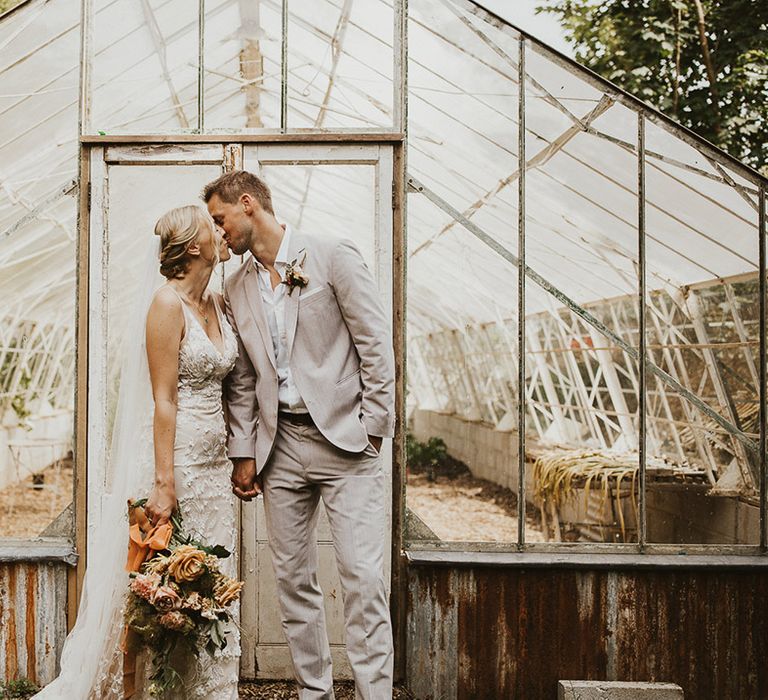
304 467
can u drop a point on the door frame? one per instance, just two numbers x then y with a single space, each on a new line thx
96 154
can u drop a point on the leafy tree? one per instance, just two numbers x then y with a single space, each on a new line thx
703 62
7 4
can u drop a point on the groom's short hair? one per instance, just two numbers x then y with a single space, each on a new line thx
231 186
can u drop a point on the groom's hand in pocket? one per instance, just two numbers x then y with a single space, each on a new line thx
246 485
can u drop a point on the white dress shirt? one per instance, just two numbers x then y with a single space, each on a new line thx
288 397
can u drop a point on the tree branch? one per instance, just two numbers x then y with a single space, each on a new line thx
704 43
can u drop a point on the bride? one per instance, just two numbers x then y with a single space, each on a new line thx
175 358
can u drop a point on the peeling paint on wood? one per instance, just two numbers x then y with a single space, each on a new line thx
33 601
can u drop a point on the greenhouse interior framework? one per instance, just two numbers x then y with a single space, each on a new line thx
576 283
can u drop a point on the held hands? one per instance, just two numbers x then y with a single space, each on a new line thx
160 504
246 485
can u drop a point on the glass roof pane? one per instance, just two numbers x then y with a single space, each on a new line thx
144 75
340 64
39 48
699 227
242 65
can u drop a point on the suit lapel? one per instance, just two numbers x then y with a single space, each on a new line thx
292 300
253 295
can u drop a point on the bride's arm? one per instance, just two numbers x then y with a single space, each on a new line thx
165 327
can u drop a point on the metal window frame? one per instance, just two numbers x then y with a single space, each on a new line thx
399 66
398 133
645 115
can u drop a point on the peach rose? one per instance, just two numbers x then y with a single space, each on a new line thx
166 599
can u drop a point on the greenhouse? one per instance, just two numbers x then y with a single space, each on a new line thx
576 291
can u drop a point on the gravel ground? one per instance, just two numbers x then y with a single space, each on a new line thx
456 506
26 511
465 509
286 690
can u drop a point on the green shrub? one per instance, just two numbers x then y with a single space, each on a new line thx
21 688
425 456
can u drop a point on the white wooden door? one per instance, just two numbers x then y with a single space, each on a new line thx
341 189
131 186
345 190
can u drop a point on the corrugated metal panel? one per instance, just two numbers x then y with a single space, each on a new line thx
33 625
513 633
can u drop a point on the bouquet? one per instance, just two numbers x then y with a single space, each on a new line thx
178 601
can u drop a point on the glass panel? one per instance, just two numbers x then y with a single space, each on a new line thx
702 331
38 145
462 113
144 74
462 295
340 64
764 351
309 199
242 65
138 196
462 387
582 430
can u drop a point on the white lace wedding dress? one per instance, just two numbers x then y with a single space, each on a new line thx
203 488
204 491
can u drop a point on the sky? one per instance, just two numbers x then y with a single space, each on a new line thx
522 14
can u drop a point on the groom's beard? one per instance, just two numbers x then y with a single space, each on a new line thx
241 249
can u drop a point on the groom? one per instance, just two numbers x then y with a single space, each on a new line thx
310 400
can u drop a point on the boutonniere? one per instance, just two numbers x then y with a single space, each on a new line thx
295 275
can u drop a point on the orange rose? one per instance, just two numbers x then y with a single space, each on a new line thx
187 563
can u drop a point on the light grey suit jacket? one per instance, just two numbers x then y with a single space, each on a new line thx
339 348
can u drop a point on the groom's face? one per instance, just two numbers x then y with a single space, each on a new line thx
233 220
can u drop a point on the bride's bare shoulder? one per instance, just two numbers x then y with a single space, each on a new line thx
166 305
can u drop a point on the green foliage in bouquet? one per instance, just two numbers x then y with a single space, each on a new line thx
178 605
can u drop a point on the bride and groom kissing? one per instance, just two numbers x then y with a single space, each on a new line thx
282 387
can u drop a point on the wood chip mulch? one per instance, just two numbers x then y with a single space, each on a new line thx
286 690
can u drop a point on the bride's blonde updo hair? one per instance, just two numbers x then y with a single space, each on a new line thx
178 228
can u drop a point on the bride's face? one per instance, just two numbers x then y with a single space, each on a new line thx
224 252
213 248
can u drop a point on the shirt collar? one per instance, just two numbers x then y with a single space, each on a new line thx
282 252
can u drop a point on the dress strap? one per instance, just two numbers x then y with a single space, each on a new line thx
184 309
219 311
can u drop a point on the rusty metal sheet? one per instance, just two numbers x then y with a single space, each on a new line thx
492 632
33 602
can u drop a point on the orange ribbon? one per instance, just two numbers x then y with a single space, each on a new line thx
144 540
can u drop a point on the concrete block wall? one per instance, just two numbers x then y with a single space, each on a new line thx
56 427
676 514
489 453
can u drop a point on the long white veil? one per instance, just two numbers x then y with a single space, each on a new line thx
91 660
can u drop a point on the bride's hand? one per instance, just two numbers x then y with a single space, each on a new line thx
160 505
